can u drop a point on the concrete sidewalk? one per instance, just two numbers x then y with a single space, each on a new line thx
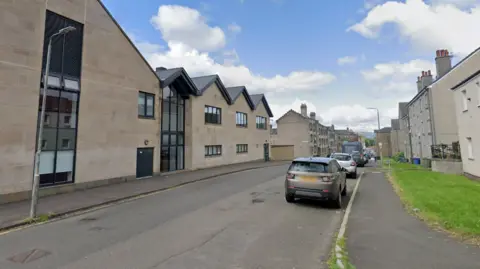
381 234
14 214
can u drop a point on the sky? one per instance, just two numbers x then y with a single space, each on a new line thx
338 57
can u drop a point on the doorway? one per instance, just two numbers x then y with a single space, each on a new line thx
144 162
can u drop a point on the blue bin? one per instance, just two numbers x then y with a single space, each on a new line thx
416 161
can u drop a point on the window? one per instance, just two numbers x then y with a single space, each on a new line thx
470 148
464 100
146 105
213 150
213 115
242 148
261 123
66 120
241 119
309 167
65 143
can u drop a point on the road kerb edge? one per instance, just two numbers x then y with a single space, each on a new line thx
343 226
90 208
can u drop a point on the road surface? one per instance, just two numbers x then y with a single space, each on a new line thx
235 221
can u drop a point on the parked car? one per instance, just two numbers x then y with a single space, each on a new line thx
347 162
316 178
359 159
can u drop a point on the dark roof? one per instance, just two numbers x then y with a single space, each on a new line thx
235 92
257 98
402 109
313 159
169 76
384 130
465 81
436 80
204 82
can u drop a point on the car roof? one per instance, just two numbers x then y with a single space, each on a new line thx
341 153
313 159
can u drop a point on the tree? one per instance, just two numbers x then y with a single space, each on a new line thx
369 142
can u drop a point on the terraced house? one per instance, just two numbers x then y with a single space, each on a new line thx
109 117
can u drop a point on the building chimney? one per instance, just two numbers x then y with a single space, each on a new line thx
313 115
419 84
161 68
303 110
427 78
443 62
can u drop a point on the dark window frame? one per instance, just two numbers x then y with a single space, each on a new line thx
241 119
146 96
261 122
242 148
217 148
213 117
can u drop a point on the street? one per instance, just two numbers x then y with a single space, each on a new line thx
235 221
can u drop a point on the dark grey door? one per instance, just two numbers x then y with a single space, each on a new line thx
266 152
144 162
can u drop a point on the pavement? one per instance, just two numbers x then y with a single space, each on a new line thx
13 214
229 222
381 234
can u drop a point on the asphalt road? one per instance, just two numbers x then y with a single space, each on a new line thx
235 221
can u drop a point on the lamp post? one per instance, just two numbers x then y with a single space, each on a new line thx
36 177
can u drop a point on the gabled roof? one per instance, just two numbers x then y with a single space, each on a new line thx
291 111
168 76
204 82
257 98
384 130
235 92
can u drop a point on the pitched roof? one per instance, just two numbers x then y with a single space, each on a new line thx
169 76
235 92
384 130
204 82
257 98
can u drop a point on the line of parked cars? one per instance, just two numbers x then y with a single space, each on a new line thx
321 178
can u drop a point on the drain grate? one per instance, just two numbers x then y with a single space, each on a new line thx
257 200
29 256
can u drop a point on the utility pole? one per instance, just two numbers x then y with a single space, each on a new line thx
36 177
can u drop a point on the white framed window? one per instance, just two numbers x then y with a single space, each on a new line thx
470 148
464 100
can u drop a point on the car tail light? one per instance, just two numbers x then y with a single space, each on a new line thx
290 176
353 164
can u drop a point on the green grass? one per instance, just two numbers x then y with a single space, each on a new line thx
332 261
450 202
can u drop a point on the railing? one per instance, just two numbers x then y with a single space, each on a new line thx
446 151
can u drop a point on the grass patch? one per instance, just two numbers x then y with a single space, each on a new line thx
332 261
40 218
449 202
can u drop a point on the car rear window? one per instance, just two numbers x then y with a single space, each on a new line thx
342 157
309 167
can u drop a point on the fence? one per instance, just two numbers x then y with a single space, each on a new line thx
446 151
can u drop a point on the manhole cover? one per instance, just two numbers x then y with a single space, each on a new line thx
257 200
29 256
88 219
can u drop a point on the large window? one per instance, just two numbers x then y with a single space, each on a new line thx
241 119
261 122
213 115
146 105
173 124
242 148
57 160
213 150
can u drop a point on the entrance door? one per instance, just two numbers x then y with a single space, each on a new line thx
266 152
144 162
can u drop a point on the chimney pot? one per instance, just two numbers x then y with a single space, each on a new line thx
429 72
438 53
446 53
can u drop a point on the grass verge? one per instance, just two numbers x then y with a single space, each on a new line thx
446 202
332 261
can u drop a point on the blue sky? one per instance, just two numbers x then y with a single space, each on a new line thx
291 50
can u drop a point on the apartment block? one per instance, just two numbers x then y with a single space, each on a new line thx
346 135
307 135
431 113
396 138
404 128
467 111
109 117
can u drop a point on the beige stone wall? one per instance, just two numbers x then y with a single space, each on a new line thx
226 134
293 130
282 152
385 139
113 72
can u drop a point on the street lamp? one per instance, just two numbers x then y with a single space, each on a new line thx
36 177
378 115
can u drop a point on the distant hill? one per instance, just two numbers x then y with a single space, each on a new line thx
370 135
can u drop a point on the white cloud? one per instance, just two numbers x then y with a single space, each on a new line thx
429 27
397 70
346 60
230 57
457 3
234 28
187 26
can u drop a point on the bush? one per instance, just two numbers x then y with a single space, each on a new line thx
399 157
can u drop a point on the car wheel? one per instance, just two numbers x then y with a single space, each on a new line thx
344 191
338 202
290 198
